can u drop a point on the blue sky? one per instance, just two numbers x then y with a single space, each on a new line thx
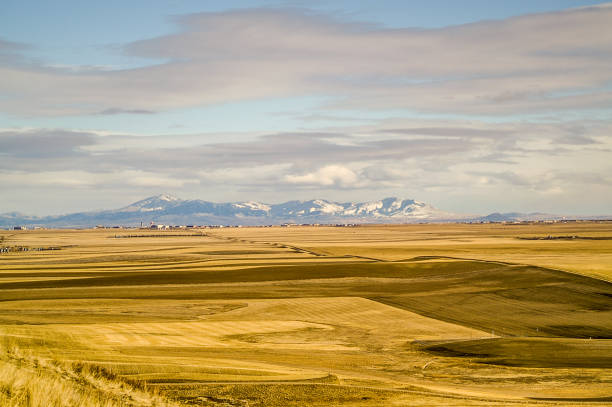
522 88
74 33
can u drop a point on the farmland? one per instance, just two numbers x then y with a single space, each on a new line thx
406 315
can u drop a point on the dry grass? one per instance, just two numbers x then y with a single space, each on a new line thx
498 242
30 381
366 316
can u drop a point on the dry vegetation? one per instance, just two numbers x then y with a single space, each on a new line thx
29 380
309 316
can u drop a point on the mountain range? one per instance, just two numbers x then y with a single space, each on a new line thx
170 210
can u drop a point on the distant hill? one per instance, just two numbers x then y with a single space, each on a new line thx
168 209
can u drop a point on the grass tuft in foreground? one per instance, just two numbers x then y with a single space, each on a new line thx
29 381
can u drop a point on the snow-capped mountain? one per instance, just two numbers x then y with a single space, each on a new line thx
168 209
153 203
389 208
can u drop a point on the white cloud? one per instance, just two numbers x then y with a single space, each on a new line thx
452 164
244 175
79 179
330 175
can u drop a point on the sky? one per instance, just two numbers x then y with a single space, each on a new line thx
473 106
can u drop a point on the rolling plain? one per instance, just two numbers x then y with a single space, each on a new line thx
397 315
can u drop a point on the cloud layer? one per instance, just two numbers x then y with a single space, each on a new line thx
541 62
520 163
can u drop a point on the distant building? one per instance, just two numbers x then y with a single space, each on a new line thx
159 226
20 228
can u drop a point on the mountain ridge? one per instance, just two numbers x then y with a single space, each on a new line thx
168 209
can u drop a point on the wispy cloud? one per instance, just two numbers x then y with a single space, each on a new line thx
454 155
116 110
541 62
44 143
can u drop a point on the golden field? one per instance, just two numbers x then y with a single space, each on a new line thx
405 315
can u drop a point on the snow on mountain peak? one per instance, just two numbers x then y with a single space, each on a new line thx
167 197
256 206
326 207
153 203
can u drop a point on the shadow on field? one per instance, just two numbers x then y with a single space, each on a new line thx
501 299
531 352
